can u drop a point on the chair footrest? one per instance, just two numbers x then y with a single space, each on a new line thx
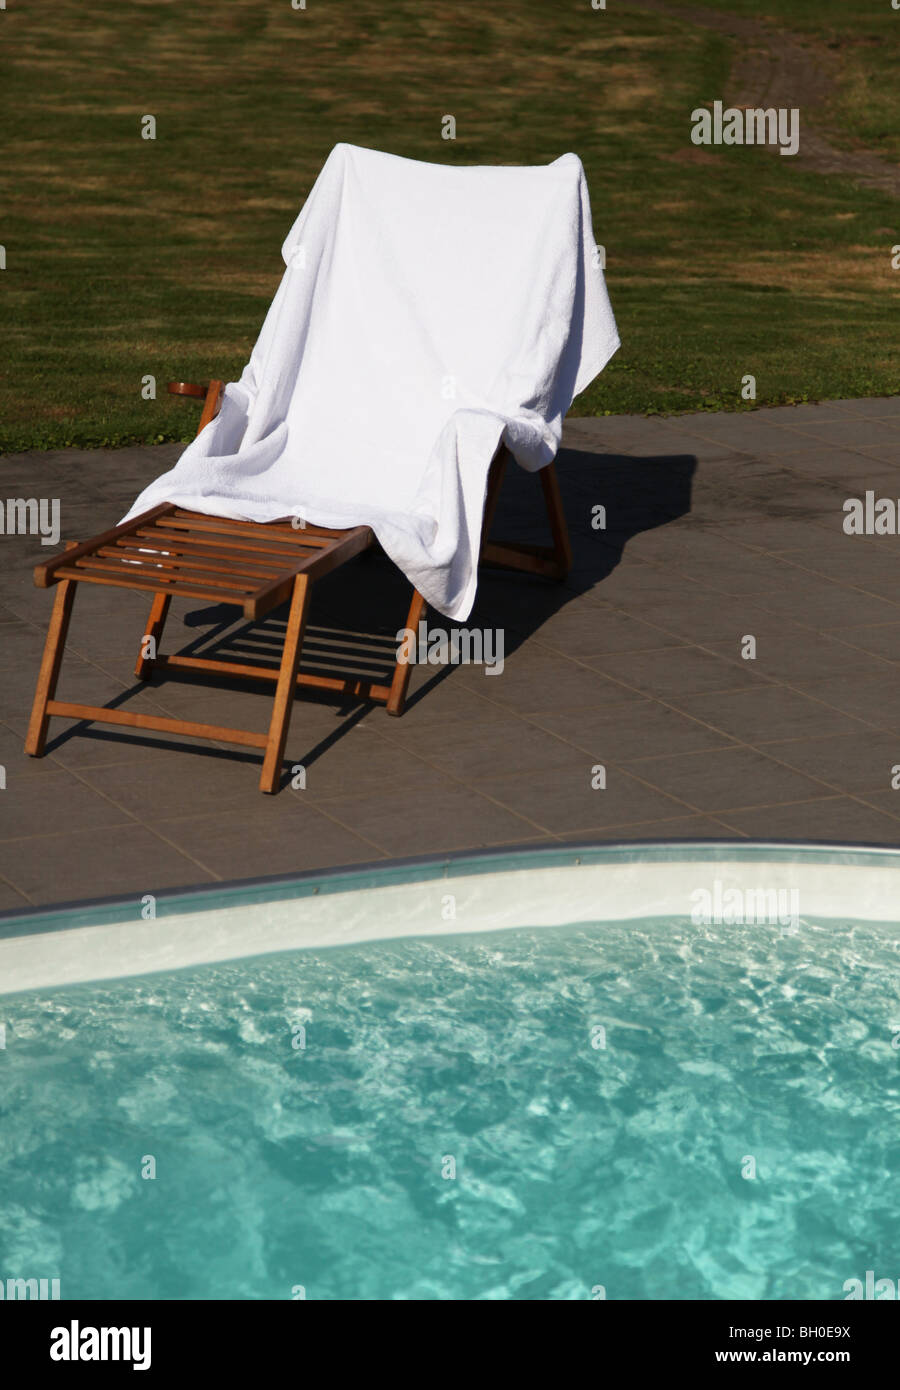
168 550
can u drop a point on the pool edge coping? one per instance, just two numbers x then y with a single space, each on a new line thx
428 868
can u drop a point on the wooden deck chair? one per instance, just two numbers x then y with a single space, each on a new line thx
255 566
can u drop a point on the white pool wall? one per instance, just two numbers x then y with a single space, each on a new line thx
481 901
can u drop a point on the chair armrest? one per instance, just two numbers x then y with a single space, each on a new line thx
210 392
188 388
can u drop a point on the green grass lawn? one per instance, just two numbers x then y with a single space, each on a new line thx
128 257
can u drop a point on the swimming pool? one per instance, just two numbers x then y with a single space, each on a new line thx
536 1075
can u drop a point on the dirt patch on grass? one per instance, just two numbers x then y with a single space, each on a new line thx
627 85
849 270
692 155
780 70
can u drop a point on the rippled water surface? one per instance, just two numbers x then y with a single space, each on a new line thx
526 1114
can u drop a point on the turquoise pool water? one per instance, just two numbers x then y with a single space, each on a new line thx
305 1112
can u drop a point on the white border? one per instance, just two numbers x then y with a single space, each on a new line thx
540 896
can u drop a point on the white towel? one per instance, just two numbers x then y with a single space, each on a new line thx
426 312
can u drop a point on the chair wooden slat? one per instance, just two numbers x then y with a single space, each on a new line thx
254 527
191 560
152 586
46 574
303 535
125 568
222 545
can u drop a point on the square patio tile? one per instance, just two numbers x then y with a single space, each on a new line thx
841 465
533 681
776 535
818 412
875 701
770 715
82 864
283 836
797 654
700 620
745 431
689 828
178 783
52 801
589 629
880 640
678 671
862 761
431 820
642 730
881 453
854 433
728 778
11 900
819 603
838 820
570 804
874 406
462 750
747 574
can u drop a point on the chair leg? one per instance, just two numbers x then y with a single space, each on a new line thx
492 497
403 669
48 675
561 544
285 689
155 624
552 561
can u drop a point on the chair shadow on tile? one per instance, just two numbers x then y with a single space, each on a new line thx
357 612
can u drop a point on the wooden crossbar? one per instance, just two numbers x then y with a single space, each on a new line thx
359 687
102 714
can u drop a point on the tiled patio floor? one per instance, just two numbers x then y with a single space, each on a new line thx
718 528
